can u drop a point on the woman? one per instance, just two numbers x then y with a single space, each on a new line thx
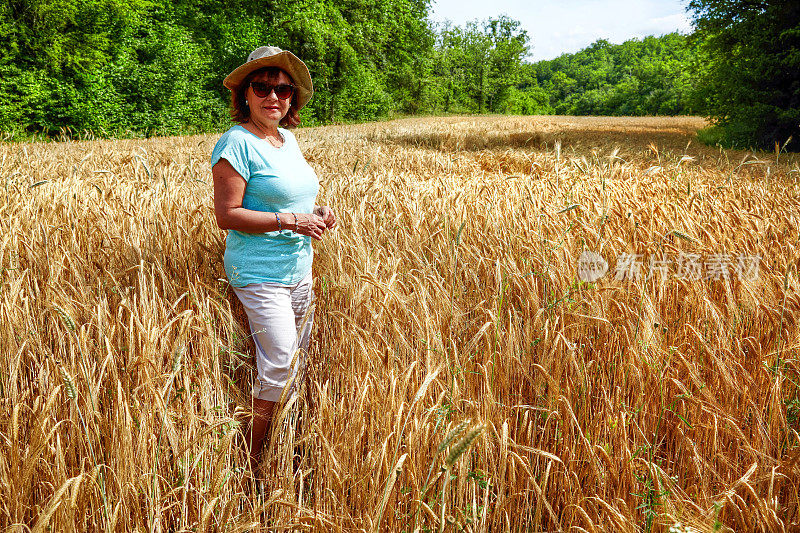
264 194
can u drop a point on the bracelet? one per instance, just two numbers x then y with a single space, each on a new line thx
279 221
295 222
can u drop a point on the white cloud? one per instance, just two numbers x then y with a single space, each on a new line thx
661 25
567 26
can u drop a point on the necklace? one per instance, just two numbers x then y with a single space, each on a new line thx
276 142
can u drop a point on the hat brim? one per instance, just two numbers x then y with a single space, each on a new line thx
284 60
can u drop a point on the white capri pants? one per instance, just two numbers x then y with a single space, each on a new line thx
280 320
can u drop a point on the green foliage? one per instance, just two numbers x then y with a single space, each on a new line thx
156 66
749 82
146 67
712 135
532 100
477 67
638 77
161 82
52 54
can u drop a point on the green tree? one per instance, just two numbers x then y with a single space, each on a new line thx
651 76
509 46
51 54
156 66
477 66
750 83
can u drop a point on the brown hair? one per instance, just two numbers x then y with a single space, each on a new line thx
240 111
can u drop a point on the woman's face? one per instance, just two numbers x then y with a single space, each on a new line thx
270 109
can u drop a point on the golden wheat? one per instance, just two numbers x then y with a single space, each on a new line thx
461 377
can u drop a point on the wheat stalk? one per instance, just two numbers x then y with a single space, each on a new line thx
448 300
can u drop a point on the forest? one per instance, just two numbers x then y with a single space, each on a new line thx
155 67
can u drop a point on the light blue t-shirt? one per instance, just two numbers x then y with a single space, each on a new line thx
279 180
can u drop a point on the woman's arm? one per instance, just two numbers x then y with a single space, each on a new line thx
229 187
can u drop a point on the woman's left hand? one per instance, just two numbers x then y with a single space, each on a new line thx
326 213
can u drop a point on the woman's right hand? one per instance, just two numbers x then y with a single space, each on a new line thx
310 224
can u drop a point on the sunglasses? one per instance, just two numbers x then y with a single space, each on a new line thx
284 91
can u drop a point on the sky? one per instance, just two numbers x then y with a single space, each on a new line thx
566 26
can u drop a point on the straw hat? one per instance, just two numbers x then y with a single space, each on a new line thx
272 56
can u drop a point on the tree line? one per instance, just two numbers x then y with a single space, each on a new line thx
133 67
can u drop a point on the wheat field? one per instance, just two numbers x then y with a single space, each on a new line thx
463 374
